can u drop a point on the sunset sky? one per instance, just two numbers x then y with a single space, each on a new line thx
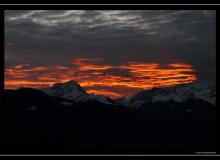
111 52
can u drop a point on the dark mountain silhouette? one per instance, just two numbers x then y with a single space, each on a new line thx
38 122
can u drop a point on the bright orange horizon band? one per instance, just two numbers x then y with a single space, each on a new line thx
101 78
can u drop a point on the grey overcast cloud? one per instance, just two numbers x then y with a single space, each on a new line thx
45 38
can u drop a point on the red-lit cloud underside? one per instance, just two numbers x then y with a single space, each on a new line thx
96 77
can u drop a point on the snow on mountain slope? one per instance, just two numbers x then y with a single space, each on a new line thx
168 97
122 101
91 97
71 90
179 93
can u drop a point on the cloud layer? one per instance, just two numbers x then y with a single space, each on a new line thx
102 78
54 37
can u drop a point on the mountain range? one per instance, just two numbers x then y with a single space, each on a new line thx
65 118
71 90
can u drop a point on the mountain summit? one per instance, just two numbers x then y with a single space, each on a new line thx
71 90
179 93
68 90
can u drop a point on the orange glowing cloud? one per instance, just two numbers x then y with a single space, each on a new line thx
91 72
21 66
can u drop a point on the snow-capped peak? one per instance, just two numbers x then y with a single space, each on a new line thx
70 86
179 93
68 90
71 90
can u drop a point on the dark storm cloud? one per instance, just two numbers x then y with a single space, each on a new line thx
52 37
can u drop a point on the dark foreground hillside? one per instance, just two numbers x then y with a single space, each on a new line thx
38 123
